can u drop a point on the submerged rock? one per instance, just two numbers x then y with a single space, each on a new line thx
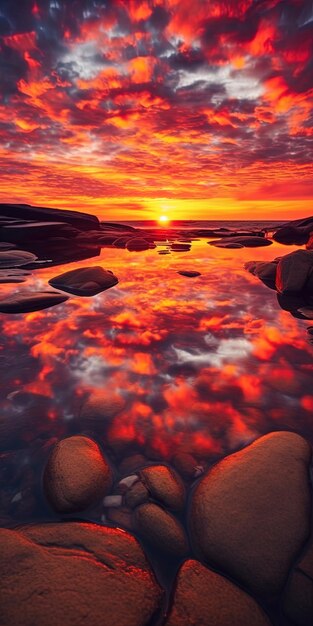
101 407
204 597
13 276
76 475
247 242
189 274
136 244
161 530
26 302
165 486
75 573
250 514
85 281
15 258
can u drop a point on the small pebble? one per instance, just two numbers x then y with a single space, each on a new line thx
112 501
127 482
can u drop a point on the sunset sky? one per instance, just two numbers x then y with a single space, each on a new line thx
199 109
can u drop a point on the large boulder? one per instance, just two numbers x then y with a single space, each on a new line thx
81 221
250 514
75 573
77 475
295 232
85 281
26 302
164 485
204 597
294 271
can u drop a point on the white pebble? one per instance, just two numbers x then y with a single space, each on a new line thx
17 497
199 469
112 501
128 481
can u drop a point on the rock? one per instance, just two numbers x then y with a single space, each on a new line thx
75 573
204 597
15 258
264 271
246 241
137 494
165 486
185 464
293 271
250 514
306 312
132 463
180 247
27 302
293 235
121 516
227 244
101 407
113 502
81 221
189 274
298 594
4 245
13 276
33 231
85 281
161 530
136 244
309 244
76 475
127 482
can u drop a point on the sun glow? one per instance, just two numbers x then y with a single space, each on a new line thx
163 219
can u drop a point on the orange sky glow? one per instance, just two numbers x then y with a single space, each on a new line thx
133 109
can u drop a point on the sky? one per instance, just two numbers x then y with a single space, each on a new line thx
133 109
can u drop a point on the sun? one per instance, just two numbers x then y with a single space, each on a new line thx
163 219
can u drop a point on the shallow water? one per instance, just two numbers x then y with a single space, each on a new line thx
205 365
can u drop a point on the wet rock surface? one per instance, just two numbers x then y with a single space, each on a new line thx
26 302
164 485
100 408
15 258
294 271
76 475
245 241
204 597
85 281
161 530
298 594
69 573
250 514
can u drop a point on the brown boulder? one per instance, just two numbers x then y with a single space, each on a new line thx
298 595
250 514
293 271
75 573
101 407
85 281
76 475
161 530
165 486
204 597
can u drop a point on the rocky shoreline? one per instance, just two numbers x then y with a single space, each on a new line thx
184 543
242 550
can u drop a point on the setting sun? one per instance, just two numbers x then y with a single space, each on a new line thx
163 219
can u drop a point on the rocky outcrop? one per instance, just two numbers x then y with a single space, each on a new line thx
250 514
85 281
27 302
295 232
81 221
75 573
204 597
77 475
15 258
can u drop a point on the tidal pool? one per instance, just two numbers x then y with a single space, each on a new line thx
203 365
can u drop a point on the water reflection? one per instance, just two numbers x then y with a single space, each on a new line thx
204 365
